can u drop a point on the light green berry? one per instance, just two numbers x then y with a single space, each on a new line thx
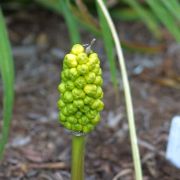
96 120
82 69
62 117
68 96
78 93
78 103
80 82
90 77
61 103
70 60
90 90
62 88
82 58
77 49
98 81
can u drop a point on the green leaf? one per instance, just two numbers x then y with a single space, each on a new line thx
165 17
7 72
70 21
109 44
51 4
63 8
146 16
173 7
125 14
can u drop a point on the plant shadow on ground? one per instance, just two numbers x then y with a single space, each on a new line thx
39 148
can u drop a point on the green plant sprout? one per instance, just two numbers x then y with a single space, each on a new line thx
80 102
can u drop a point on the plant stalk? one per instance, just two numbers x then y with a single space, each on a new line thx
127 92
78 152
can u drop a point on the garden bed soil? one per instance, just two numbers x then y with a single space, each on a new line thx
39 148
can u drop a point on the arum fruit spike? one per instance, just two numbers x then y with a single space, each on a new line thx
80 102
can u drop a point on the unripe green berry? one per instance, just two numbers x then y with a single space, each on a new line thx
62 87
68 96
78 127
65 111
85 109
62 117
61 103
72 73
88 128
82 69
83 120
90 77
78 114
82 58
88 100
69 85
98 81
70 60
78 93
71 108
80 82
97 105
99 92
72 119
66 74
96 120
78 103
92 114
93 55
77 49
63 77
68 125
90 90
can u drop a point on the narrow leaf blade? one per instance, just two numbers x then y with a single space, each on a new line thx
70 21
7 72
165 17
109 45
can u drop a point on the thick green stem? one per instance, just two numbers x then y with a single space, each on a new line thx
78 151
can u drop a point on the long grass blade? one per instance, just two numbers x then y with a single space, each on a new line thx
173 7
52 5
7 72
145 16
165 17
63 8
70 21
109 45
85 21
128 99
125 14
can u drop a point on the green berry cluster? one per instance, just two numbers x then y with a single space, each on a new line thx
81 93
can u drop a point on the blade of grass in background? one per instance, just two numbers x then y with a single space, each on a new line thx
127 93
125 14
63 8
92 27
70 21
109 45
52 5
7 72
165 17
145 16
84 18
173 7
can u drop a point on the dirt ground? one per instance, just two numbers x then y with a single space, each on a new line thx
39 148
